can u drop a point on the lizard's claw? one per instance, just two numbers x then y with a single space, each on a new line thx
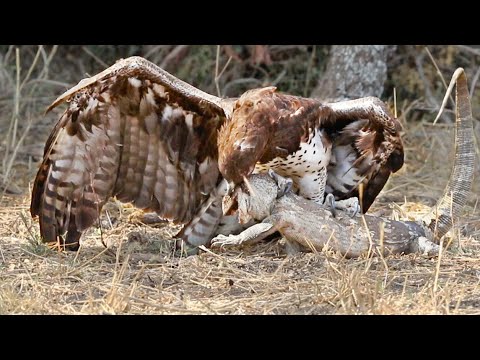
224 241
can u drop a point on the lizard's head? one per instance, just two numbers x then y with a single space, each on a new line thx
253 199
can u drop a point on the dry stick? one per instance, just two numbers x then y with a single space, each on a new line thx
219 75
311 246
153 50
225 67
95 57
279 77
1 253
9 52
382 257
32 66
421 73
395 102
29 227
370 243
50 82
11 134
309 71
47 60
109 219
17 147
437 269
135 279
439 72
172 55
327 244
119 274
469 49
217 64
12 131
81 266
77 253
38 256
474 82
44 72
255 82
117 255
203 248
18 107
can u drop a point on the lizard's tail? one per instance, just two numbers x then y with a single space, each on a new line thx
448 209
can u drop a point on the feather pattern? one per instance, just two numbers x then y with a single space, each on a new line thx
138 133
127 136
367 148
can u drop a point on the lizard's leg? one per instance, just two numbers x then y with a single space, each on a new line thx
250 236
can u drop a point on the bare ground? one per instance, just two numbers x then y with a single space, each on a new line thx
139 272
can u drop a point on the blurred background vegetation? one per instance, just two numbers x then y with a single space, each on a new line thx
32 76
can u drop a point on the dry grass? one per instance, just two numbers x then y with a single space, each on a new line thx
139 273
144 277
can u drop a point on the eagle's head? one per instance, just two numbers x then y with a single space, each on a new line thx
238 161
242 140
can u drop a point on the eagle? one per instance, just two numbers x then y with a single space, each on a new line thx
137 133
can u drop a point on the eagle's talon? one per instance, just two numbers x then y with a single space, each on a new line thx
356 209
288 185
330 201
284 184
273 175
351 206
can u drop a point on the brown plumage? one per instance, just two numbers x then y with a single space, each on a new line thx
138 133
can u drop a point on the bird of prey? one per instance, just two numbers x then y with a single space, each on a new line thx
140 134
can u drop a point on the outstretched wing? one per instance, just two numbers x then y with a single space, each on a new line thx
135 132
367 148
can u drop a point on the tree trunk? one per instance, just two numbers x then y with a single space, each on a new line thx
354 71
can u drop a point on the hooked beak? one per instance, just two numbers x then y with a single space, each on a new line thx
249 186
229 200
